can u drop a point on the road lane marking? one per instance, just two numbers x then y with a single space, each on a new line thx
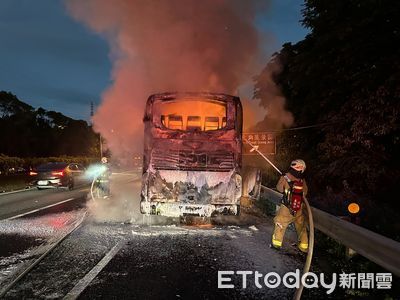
85 281
135 180
129 171
39 209
125 174
18 191
49 248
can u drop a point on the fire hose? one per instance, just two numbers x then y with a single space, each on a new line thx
307 264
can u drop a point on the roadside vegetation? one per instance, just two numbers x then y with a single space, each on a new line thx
29 132
31 137
14 182
342 85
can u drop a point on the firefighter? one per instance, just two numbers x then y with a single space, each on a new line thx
104 178
294 188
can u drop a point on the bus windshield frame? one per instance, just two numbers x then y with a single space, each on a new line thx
225 122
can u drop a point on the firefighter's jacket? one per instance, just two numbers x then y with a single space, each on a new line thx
283 185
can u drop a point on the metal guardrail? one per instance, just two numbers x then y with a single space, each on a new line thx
377 248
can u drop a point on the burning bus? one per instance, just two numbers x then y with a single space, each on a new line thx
192 155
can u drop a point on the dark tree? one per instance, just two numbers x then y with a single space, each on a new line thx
27 132
345 74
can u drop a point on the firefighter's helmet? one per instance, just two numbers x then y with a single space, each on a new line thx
298 165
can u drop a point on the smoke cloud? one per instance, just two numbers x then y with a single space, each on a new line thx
272 99
159 46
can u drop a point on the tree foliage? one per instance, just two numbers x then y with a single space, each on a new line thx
346 75
27 132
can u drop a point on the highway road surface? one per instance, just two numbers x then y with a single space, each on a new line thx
17 203
117 253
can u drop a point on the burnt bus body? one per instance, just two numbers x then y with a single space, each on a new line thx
192 155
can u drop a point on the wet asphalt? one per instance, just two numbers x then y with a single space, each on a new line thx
159 258
157 262
25 201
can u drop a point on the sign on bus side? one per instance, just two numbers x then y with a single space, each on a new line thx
266 142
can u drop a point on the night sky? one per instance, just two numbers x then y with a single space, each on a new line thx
49 60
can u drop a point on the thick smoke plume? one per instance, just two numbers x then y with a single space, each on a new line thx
158 46
272 99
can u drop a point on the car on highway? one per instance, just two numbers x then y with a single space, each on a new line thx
57 175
